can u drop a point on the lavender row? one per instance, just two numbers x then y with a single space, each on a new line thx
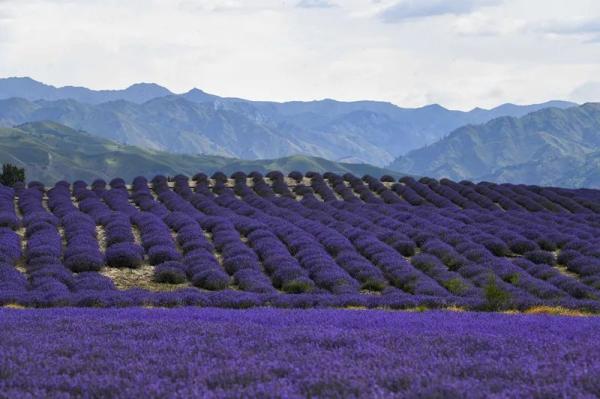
334 234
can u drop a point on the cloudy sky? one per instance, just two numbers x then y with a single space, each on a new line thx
458 53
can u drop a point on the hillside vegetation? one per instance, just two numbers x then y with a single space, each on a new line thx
51 152
547 147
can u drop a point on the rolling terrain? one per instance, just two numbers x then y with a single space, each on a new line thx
49 152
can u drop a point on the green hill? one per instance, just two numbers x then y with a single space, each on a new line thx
548 147
51 152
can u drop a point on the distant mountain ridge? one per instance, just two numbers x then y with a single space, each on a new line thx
30 89
50 152
151 116
547 147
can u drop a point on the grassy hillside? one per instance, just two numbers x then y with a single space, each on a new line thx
51 152
547 147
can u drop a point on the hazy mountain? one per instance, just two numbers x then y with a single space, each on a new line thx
550 147
33 90
196 122
167 123
567 171
51 152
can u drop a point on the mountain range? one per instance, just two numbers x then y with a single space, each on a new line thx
559 147
100 133
50 152
152 117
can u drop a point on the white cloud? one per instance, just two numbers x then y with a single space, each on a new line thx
470 55
587 92
480 24
409 9
243 6
576 26
584 29
315 4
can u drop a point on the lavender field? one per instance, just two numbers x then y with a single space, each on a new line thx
305 243
299 241
190 352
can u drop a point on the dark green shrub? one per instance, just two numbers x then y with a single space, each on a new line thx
298 285
496 298
11 174
455 286
168 274
373 284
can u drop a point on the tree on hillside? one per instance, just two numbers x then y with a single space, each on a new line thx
11 174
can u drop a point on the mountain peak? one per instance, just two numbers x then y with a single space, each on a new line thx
433 107
20 79
195 90
197 95
147 86
142 92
